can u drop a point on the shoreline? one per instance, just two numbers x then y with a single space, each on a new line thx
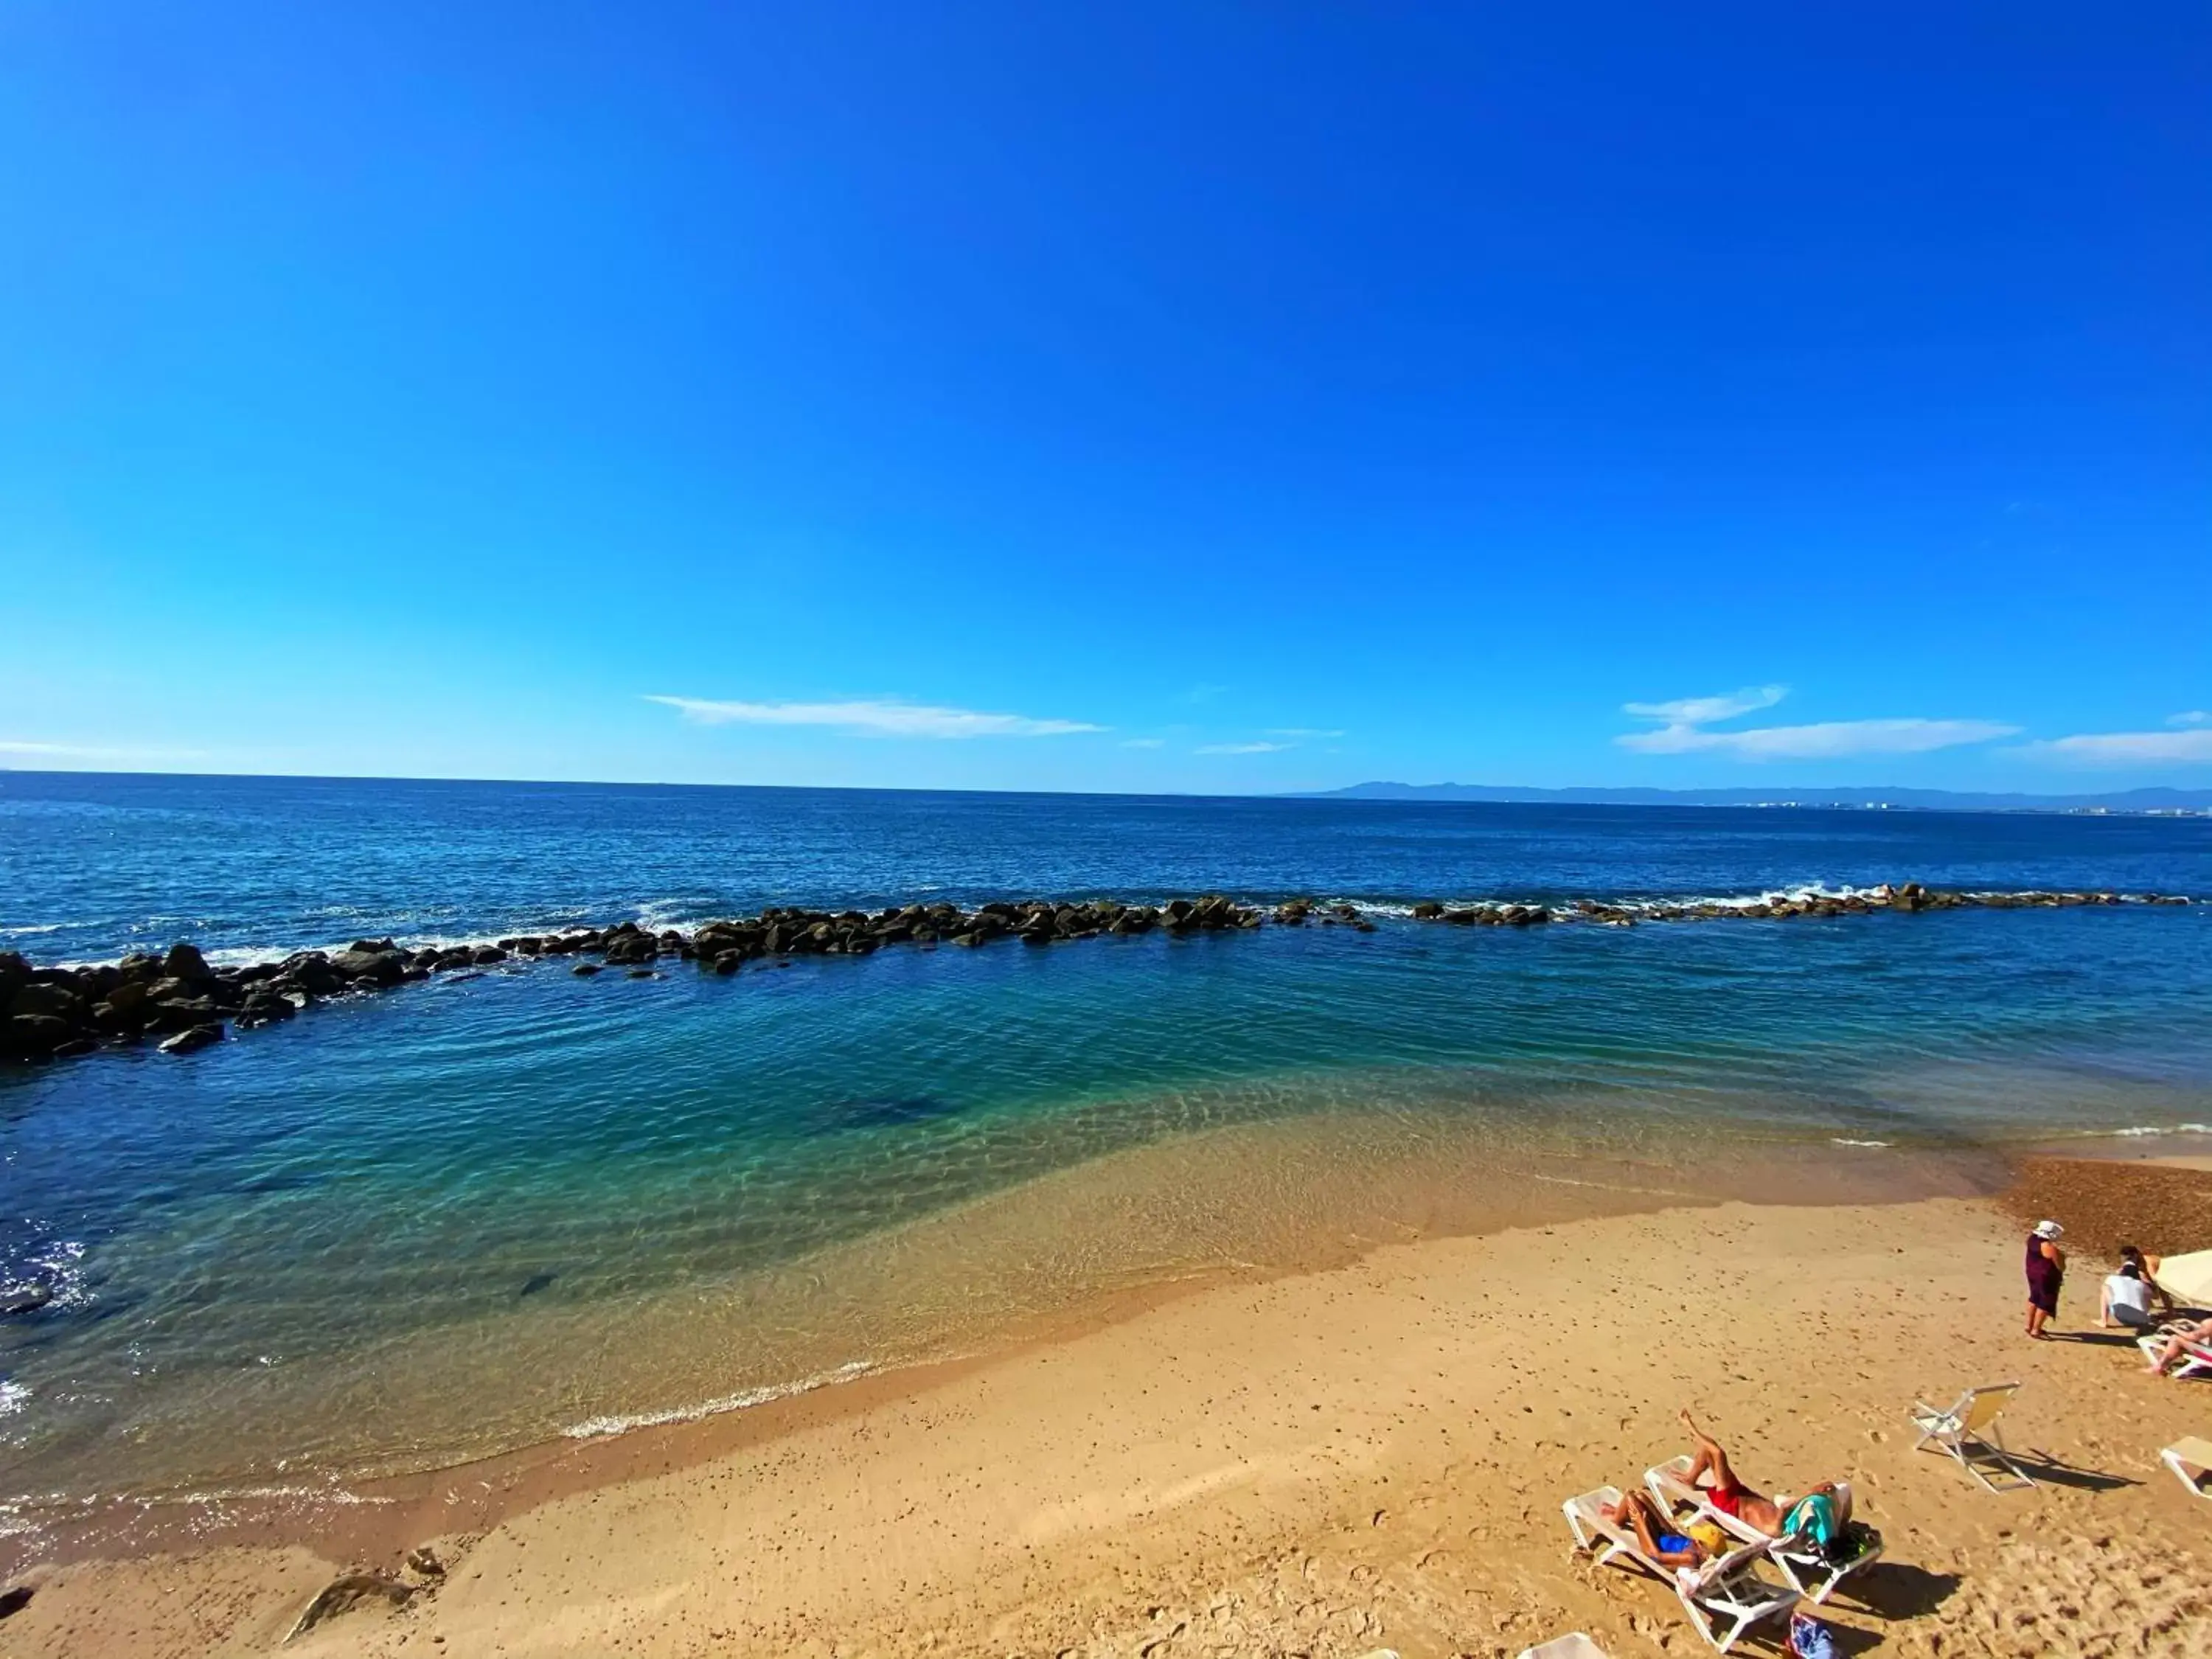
1365 1454
1072 1250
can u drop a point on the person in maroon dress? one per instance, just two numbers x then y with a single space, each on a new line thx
2046 1271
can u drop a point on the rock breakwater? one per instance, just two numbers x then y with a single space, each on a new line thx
180 1003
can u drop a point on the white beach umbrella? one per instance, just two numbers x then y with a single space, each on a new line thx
2188 1278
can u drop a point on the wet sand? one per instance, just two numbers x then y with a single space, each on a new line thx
1370 1453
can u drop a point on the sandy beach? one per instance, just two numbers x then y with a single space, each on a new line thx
1372 1455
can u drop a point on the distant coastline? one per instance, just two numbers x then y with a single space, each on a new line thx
2159 802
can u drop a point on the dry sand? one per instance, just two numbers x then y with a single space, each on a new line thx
1369 1456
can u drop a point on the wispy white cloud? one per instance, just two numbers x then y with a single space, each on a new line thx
1144 743
2190 717
1684 725
1242 748
2191 743
882 719
1301 731
1704 711
1821 740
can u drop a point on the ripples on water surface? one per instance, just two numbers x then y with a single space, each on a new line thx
478 1212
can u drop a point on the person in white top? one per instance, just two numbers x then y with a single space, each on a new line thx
2127 1295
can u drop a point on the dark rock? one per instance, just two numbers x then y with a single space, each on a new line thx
185 963
382 967
342 1595
265 1010
179 1013
728 962
120 1022
485 954
75 1046
61 1002
13 1599
34 1036
585 970
192 1039
645 973
14 971
23 1298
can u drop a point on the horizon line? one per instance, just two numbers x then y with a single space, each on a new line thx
1342 792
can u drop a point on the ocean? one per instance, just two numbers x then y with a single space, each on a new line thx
494 1209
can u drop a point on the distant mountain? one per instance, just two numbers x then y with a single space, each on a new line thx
1921 800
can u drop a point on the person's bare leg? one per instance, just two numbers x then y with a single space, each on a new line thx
1708 1458
1644 1516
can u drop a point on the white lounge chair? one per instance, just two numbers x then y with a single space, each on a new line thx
1803 1564
1724 1597
2190 1460
1968 1432
2196 1356
1575 1645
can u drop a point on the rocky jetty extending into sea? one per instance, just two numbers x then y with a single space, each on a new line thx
178 1002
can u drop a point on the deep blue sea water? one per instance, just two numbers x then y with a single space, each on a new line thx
477 1211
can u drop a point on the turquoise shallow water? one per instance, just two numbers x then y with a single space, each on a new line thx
477 1211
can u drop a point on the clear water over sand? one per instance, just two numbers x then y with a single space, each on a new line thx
478 1212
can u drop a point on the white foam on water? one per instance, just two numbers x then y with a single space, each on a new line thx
2149 1129
337 1496
1845 1140
591 1428
14 1396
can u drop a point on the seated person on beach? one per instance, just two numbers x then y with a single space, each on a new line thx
1658 1534
2146 1268
2127 1294
1727 1494
2179 1340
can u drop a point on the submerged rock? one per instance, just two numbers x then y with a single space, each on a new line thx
23 1298
192 1039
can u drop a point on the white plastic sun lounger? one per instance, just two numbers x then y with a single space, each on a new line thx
2190 1460
1724 1598
1968 1432
2196 1356
1574 1645
1802 1563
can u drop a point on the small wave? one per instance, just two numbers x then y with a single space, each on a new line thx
337 1497
2149 1129
1845 1140
591 1428
14 1396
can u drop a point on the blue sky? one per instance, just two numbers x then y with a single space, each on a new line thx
1155 397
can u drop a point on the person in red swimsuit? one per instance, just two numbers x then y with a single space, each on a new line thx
1727 1494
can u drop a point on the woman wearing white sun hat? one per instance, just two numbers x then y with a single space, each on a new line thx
2046 1271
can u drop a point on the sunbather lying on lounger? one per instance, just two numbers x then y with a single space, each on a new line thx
1727 1494
1659 1534
2179 1340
